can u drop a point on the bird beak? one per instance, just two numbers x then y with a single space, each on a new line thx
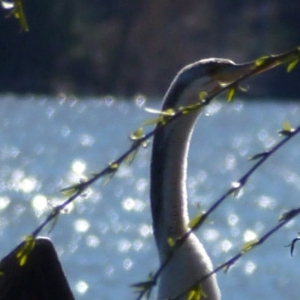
229 73
221 75
226 74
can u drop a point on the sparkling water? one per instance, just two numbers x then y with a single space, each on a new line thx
104 239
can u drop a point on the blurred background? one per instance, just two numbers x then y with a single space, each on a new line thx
128 47
100 51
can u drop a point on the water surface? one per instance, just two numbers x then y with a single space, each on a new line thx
105 240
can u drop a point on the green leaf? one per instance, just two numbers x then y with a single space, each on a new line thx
258 156
73 189
231 92
168 112
190 108
56 212
171 242
113 166
194 223
249 245
137 135
25 250
260 61
196 293
203 95
152 121
287 129
131 156
292 65
164 116
112 169
70 190
17 12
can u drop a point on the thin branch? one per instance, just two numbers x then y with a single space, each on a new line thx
261 158
250 246
258 66
165 118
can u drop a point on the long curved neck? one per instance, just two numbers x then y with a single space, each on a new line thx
170 146
168 177
168 180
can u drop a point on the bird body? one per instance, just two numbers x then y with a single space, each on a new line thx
190 263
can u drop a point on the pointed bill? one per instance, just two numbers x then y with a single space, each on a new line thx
230 73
